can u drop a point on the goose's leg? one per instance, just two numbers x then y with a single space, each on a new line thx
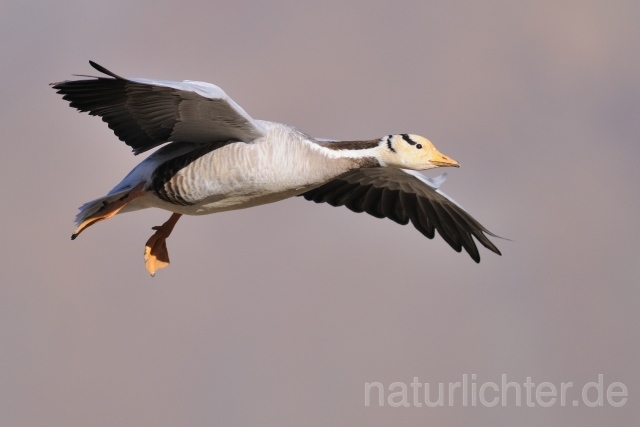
155 251
110 209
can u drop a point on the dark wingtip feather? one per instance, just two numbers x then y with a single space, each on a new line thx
105 71
484 240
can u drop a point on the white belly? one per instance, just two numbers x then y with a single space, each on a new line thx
214 204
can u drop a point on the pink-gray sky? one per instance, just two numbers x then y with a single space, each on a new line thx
278 315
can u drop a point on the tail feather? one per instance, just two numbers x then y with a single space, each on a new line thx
92 207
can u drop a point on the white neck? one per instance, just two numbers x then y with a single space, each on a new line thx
357 150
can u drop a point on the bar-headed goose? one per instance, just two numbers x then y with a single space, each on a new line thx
217 158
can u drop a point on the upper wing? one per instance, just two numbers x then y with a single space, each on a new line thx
146 113
404 196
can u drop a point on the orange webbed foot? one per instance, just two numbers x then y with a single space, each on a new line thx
156 255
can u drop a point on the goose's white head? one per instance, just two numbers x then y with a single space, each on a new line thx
412 152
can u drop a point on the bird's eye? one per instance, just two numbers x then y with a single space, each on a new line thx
419 146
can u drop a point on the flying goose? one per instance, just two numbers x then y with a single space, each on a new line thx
217 158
